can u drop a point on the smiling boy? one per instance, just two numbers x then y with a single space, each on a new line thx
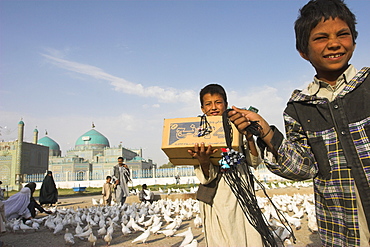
224 221
327 125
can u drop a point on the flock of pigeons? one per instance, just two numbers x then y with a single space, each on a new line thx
100 223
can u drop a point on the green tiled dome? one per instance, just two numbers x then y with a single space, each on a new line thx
92 138
47 141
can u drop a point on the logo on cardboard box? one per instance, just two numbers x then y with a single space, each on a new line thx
180 131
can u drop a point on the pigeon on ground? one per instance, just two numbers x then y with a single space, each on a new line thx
143 237
68 238
188 236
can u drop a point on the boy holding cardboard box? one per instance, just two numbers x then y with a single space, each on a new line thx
224 221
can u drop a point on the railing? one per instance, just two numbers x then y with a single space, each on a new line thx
101 175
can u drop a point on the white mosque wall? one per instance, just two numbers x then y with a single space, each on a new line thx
159 176
191 181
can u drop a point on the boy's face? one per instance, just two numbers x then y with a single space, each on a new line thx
108 180
330 47
213 104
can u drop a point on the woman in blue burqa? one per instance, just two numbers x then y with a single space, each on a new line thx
48 191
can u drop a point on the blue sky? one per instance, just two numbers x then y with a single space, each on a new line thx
127 65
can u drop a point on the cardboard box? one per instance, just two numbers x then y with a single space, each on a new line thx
181 134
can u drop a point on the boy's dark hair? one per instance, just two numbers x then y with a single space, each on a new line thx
108 177
313 12
144 186
212 89
120 158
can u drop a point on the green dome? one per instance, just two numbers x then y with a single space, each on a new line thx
92 138
48 142
21 122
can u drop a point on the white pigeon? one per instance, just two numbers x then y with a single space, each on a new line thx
312 223
92 239
84 234
108 238
171 226
58 228
130 222
148 222
35 225
143 237
136 227
156 228
102 231
94 202
282 233
198 221
125 229
193 243
168 232
110 229
188 236
78 229
16 225
68 238
49 223
24 227
167 218
288 243
141 219
299 214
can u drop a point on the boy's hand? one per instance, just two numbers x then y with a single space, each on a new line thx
241 119
202 153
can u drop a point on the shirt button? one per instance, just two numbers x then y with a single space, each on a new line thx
336 106
343 132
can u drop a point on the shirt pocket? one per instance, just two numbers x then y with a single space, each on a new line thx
321 156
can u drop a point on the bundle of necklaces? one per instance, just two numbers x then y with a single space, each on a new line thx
233 166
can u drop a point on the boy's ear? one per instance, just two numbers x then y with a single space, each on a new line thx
203 110
304 56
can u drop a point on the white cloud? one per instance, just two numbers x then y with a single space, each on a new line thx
167 95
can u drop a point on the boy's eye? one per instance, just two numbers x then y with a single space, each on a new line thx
344 34
319 38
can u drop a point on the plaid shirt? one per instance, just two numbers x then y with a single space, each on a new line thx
329 141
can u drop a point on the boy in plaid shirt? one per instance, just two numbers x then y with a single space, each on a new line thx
327 125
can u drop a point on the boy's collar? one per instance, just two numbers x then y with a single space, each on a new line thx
313 87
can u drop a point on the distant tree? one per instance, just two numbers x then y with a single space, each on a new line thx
168 165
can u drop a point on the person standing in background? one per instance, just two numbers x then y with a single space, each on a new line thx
107 191
121 174
48 191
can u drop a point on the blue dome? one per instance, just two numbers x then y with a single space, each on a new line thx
48 142
92 138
